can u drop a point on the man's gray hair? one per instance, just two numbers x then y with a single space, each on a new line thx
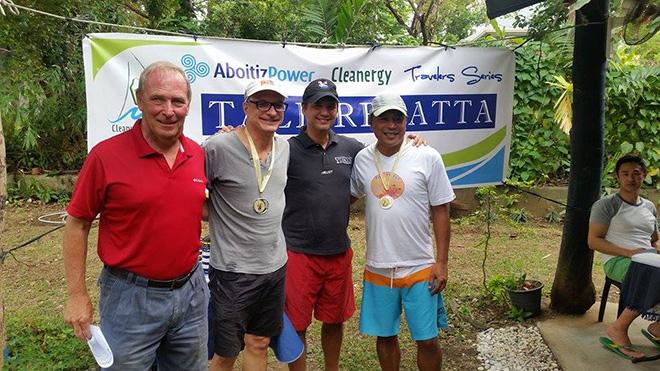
162 67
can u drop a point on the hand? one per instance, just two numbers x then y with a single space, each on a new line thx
438 278
78 313
418 141
226 129
637 251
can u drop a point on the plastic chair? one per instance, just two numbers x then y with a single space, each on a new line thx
603 299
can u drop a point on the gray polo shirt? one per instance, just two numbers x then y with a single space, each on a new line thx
242 240
318 194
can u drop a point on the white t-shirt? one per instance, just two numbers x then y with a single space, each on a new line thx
401 236
629 226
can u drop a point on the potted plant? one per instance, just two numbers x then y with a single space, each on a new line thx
522 295
526 295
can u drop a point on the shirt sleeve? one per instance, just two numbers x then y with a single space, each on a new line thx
357 185
654 211
439 188
211 162
89 192
604 210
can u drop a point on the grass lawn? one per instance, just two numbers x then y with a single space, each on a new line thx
34 292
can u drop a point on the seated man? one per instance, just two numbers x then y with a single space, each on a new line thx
622 225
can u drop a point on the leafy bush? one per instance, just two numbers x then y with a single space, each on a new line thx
497 289
29 188
554 216
540 151
502 205
45 344
42 100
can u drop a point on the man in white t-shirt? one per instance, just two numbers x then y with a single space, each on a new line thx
404 187
621 225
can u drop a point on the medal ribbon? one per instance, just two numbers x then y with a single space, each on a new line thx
261 182
386 182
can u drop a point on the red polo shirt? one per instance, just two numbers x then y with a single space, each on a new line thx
150 214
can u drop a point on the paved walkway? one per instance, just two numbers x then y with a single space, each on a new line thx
574 341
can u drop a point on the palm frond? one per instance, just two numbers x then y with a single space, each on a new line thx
321 18
564 105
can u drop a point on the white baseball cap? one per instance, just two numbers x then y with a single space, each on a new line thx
263 85
386 102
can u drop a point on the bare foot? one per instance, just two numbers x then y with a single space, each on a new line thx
621 339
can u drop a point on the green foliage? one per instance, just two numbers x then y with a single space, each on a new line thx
540 151
519 215
502 205
321 19
496 287
45 344
549 17
42 99
497 290
276 20
517 314
30 188
632 116
553 216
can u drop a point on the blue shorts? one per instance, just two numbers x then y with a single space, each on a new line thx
381 310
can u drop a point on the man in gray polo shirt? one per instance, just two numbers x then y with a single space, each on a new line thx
246 171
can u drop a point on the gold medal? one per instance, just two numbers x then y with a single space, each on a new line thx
386 202
260 205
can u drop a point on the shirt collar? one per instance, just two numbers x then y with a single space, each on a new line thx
144 149
308 142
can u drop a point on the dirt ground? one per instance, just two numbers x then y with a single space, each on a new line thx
33 281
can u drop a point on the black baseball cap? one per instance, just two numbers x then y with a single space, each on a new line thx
319 88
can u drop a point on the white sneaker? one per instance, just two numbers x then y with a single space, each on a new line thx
99 347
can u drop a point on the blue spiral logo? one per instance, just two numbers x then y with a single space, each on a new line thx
194 69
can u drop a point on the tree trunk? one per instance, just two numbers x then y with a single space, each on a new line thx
3 198
573 290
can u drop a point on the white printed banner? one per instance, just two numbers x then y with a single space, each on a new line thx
460 100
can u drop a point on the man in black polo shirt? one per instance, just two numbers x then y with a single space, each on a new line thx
318 197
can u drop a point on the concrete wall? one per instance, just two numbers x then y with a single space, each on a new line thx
466 202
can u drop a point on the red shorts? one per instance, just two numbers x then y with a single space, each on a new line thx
319 283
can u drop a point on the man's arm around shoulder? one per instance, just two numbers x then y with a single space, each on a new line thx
79 310
441 230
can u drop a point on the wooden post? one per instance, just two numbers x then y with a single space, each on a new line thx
573 289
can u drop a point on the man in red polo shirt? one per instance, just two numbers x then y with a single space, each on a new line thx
148 185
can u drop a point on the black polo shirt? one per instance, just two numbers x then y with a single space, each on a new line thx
318 194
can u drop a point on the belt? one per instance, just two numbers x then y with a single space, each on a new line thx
166 284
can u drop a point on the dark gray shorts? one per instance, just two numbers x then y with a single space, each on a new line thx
245 304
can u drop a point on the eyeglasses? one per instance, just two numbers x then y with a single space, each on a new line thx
265 106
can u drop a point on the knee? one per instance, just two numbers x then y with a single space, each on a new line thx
430 345
387 340
332 327
257 343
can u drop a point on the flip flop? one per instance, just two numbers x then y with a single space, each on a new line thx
616 349
654 339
